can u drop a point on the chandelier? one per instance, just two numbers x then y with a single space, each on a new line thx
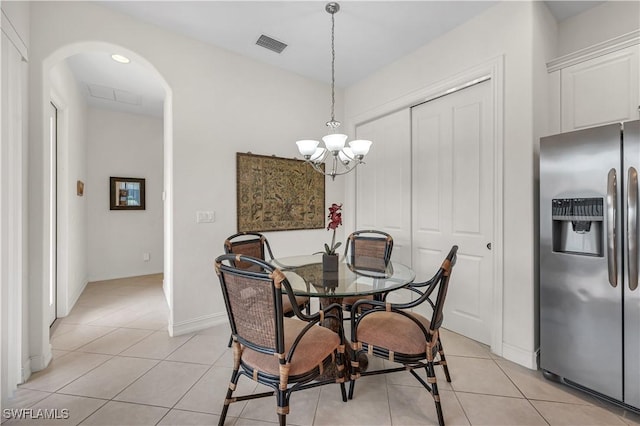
343 158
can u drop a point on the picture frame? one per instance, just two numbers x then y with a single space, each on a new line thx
126 193
278 194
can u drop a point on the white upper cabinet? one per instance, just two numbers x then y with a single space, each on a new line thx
601 90
600 87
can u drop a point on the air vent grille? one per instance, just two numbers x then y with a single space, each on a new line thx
271 44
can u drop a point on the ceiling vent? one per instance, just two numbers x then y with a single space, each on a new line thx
271 44
111 94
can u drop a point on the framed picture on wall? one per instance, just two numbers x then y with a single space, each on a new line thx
126 193
277 194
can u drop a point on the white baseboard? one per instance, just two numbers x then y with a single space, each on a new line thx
197 324
166 290
131 274
74 297
26 370
520 356
40 362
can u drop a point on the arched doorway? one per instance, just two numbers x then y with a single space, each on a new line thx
63 185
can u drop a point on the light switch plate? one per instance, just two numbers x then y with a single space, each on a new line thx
205 217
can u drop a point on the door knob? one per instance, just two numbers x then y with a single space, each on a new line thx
489 246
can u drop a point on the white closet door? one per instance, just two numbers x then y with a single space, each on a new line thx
452 150
383 184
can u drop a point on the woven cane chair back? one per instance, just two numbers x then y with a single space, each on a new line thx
249 244
254 302
369 250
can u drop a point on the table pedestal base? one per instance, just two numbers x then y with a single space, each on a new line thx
334 324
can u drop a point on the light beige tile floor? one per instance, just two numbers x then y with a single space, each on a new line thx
115 364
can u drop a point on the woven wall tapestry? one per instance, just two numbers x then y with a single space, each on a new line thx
278 194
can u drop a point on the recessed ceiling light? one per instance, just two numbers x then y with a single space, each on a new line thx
120 58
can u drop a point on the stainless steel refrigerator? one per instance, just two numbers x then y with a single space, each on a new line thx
589 295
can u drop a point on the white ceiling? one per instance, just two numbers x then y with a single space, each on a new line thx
368 36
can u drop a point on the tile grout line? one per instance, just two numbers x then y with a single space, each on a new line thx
466 415
522 393
159 361
191 387
183 395
112 399
84 396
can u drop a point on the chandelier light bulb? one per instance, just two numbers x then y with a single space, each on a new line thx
360 147
346 155
318 155
334 142
307 147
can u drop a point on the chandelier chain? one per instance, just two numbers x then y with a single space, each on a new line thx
333 68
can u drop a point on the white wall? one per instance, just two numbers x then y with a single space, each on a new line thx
598 24
72 166
545 48
123 145
222 104
14 297
504 29
17 14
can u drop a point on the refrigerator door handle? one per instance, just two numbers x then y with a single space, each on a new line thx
612 201
632 227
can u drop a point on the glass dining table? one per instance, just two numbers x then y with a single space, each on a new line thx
307 278
355 277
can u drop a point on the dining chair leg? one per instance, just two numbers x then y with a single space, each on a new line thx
354 367
283 406
443 360
232 385
342 372
343 390
352 384
431 379
230 341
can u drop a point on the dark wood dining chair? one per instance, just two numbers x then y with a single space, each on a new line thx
390 331
286 354
367 251
256 245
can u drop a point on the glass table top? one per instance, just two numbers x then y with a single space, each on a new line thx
307 278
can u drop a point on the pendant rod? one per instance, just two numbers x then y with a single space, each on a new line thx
333 8
333 68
